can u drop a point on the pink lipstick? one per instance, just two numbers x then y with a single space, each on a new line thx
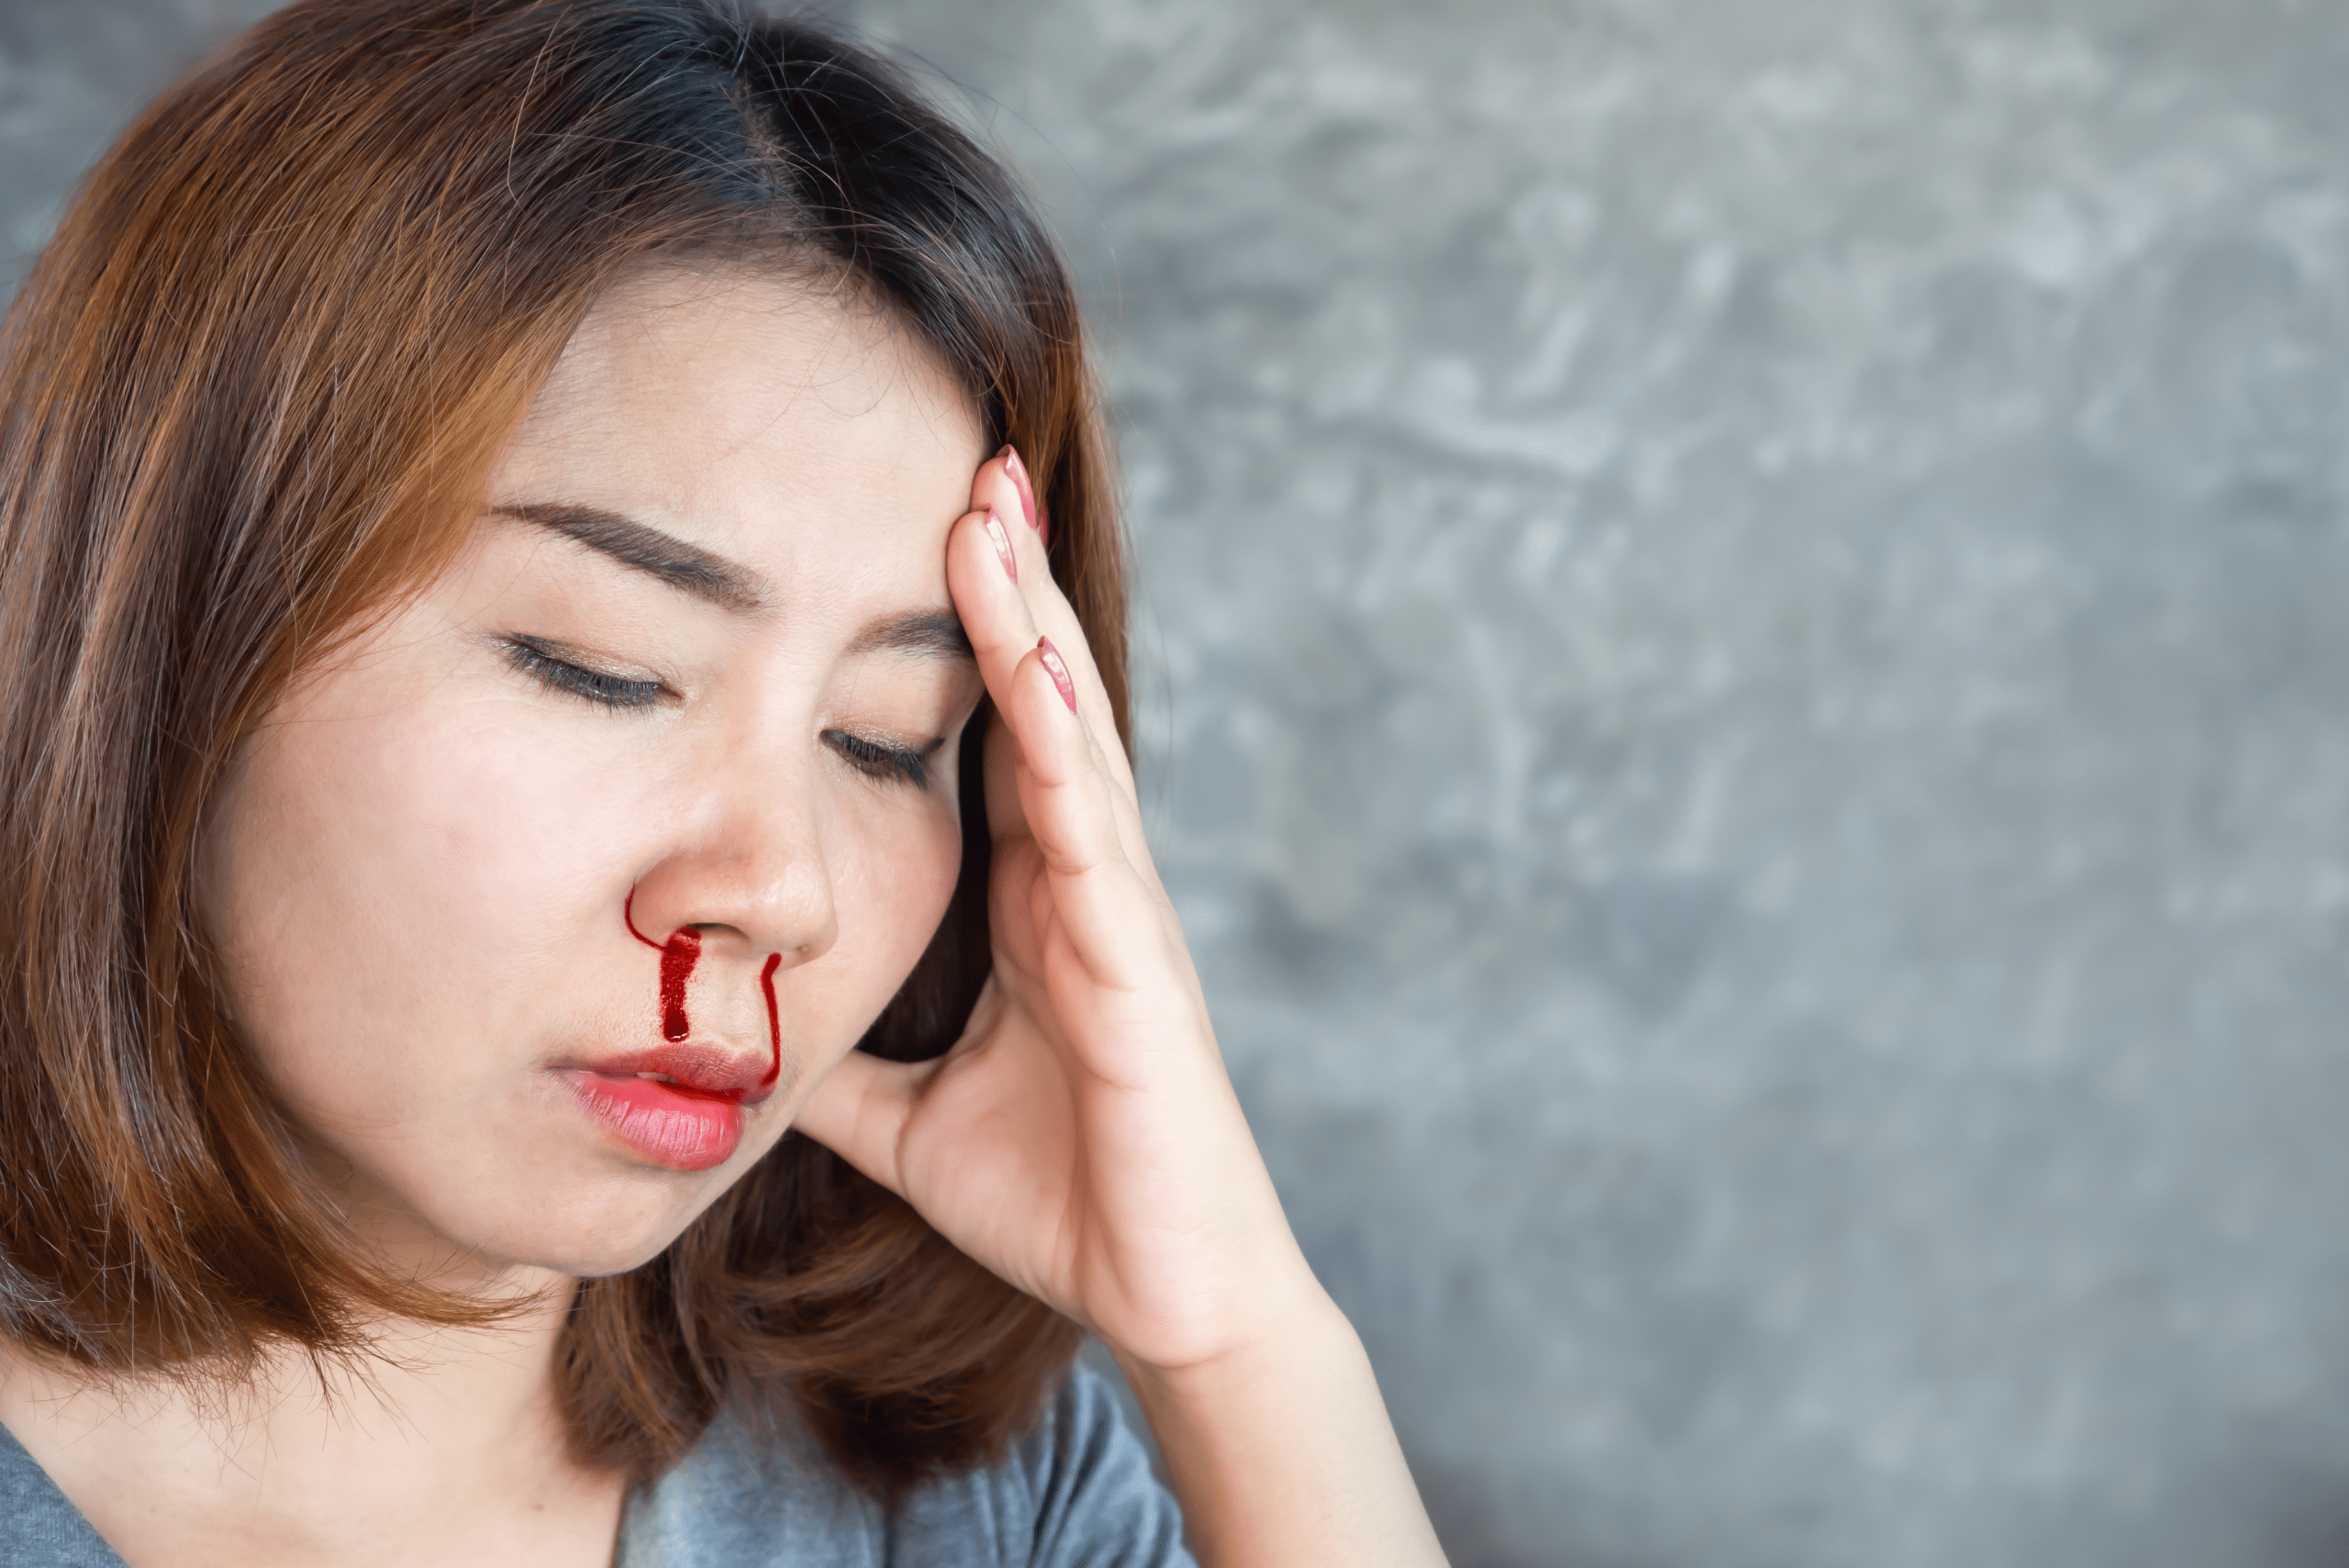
680 1108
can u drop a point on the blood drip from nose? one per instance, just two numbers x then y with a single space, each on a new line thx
678 956
775 1023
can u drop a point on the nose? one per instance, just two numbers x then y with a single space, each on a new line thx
747 874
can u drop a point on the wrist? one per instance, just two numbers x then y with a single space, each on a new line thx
1248 1311
1299 1327
1281 1452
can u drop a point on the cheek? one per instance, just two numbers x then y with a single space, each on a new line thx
382 887
890 895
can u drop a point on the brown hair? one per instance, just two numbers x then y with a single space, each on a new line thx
252 393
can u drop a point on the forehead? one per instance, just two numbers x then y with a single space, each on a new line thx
749 412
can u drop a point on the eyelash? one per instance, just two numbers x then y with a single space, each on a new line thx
531 656
887 762
874 758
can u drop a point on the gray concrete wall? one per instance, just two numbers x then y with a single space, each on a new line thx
1746 652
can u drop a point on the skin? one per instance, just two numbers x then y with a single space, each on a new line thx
416 876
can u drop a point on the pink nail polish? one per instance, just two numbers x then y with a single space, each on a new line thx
1057 671
1045 526
1002 545
1018 472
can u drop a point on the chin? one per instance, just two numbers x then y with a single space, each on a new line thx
607 1224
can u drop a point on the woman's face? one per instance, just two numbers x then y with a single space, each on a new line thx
547 902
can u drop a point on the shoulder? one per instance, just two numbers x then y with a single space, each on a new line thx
1074 1493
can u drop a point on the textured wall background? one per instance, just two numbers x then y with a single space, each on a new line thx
1748 703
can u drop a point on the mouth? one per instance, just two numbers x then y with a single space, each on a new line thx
680 1108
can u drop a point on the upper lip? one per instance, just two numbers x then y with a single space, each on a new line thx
704 1068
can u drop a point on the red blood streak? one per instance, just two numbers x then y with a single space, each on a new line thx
678 956
775 1024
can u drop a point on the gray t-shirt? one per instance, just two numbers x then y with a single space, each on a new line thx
1077 1493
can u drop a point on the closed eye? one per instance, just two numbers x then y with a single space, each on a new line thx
536 657
879 759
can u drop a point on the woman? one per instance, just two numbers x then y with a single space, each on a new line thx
558 575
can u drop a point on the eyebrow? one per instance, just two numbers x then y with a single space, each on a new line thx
936 634
683 566
931 633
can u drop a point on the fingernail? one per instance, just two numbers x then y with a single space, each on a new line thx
1002 545
1058 671
1018 472
1045 526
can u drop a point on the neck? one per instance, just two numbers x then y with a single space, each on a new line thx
457 1427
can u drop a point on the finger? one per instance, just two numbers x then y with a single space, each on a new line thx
990 571
1003 483
980 574
1020 553
858 1112
1107 900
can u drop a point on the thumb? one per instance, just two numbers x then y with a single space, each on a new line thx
858 1112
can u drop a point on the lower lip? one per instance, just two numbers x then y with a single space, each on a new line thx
668 1124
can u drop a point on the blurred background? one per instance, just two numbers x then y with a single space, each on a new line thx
1745 695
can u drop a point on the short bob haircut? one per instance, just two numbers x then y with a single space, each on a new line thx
253 393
